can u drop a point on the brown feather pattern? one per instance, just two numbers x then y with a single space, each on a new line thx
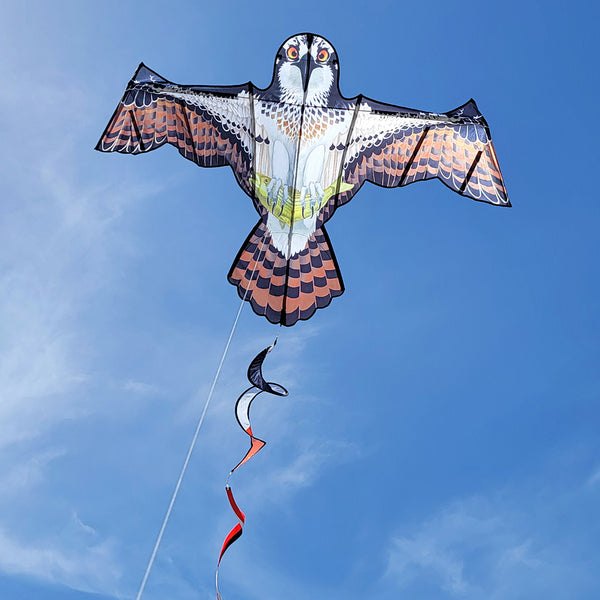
286 291
444 152
136 129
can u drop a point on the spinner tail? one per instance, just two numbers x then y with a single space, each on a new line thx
286 290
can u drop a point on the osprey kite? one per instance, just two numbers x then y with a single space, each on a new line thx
300 150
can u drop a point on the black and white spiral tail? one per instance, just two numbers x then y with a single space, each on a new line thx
242 414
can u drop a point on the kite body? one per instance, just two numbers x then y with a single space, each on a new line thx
300 150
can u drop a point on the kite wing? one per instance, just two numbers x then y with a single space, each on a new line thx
393 146
211 126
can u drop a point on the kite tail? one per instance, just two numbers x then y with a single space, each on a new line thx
286 290
242 414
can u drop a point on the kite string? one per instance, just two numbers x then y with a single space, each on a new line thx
195 438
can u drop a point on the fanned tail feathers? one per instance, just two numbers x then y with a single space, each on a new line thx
285 291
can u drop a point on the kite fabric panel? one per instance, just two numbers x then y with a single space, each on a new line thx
299 149
242 414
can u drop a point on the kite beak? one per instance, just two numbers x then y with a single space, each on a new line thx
305 68
306 64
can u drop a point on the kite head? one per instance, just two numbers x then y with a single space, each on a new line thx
306 69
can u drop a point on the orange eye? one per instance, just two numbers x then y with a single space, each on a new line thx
323 55
292 52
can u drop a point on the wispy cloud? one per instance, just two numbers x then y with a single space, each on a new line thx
437 549
305 467
141 388
480 549
20 476
62 242
89 567
58 236
594 478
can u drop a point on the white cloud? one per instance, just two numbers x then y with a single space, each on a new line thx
305 468
436 549
21 476
58 241
477 549
141 388
81 525
62 243
90 567
594 478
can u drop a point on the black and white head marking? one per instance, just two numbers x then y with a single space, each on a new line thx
306 69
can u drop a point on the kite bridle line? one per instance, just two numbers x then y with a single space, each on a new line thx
196 433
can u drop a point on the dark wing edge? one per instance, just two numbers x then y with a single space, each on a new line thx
393 146
211 126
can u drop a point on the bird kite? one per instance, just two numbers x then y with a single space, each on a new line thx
300 150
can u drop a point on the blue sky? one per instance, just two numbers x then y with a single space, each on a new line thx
440 439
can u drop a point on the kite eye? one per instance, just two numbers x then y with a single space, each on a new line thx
323 55
292 52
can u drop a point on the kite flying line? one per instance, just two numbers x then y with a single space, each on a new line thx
193 443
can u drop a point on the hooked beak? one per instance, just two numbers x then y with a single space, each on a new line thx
305 65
